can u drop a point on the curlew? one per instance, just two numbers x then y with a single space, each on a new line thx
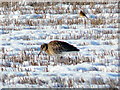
57 47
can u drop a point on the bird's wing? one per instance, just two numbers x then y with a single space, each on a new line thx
59 46
55 47
68 47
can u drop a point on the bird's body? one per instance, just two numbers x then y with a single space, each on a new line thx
57 47
82 14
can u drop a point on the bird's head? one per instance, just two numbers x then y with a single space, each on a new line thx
43 47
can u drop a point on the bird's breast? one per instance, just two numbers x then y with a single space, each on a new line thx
50 52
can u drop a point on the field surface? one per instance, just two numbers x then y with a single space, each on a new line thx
25 26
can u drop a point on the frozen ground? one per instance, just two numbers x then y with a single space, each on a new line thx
24 28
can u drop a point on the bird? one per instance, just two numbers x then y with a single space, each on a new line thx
57 47
82 14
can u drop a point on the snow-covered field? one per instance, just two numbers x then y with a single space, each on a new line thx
25 26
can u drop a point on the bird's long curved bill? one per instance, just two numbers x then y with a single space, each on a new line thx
39 53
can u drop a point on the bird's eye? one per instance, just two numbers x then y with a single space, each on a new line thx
41 46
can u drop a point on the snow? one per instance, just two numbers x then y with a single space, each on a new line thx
94 66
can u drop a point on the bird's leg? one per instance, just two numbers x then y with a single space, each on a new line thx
57 59
85 22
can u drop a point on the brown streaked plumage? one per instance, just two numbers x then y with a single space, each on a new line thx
82 14
57 47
